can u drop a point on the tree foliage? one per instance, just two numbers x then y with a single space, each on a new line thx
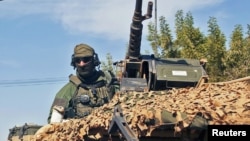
108 65
153 38
223 62
247 51
190 42
215 50
238 54
192 39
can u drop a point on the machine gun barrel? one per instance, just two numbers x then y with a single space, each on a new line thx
136 29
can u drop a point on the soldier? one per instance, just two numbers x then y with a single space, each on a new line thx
88 89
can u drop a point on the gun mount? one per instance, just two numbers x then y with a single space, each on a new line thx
146 72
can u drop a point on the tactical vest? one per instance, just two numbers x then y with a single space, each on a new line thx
88 96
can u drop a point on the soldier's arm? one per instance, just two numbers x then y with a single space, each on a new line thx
62 97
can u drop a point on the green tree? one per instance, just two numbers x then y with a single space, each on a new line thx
153 38
108 65
222 65
215 51
179 25
189 39
166 40
162 41
237 55
247 51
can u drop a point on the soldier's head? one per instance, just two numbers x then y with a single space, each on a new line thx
84 60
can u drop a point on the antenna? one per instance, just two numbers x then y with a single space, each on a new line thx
156 15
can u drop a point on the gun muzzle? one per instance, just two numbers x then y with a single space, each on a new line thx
136 29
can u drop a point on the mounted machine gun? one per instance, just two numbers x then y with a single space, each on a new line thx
145 72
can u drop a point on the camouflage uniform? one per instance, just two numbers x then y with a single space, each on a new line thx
88 89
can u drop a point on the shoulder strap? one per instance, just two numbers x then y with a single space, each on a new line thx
75 80
112 80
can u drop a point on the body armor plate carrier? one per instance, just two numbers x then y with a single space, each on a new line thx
87 97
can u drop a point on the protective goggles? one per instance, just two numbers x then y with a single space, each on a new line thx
84 59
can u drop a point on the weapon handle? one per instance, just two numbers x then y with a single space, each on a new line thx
149 11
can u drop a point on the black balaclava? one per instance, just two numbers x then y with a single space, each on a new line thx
87 73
